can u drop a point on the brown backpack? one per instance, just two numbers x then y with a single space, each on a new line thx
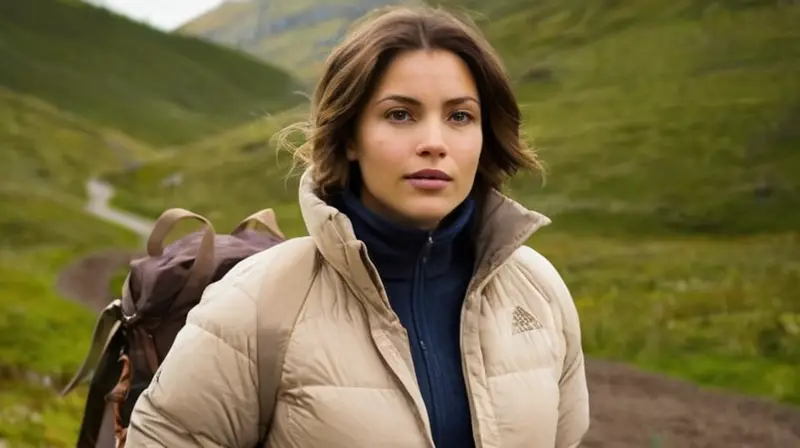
134 333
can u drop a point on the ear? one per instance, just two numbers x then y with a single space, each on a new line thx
352 153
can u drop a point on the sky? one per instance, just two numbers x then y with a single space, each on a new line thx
163 14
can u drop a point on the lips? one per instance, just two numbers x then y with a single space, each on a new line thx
429 180
429 174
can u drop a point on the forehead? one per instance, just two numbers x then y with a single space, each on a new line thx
427 75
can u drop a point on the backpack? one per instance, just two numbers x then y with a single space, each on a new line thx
133 333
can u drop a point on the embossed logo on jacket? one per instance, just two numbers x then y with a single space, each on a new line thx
522 321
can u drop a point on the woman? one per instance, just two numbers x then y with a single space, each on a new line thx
426 321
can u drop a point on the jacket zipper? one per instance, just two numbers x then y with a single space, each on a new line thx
419 281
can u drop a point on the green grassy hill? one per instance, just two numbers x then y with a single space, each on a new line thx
240 164
48 148
47 156
676 115
669 132
163 89
43 337
296 35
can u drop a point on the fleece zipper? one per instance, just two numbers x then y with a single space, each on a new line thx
417 296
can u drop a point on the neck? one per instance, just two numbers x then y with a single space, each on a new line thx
395 248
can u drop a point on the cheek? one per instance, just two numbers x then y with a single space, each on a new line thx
469 155
383 154
382 161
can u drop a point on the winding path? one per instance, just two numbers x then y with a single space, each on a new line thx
87 280
630 408
100 194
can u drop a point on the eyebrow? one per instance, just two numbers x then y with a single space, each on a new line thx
415 102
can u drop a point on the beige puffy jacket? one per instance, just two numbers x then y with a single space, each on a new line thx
348 379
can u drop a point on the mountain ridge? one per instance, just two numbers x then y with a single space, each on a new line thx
296 36
158 87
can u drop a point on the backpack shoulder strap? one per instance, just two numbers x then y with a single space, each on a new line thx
276 320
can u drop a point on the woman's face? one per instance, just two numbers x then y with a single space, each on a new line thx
418 140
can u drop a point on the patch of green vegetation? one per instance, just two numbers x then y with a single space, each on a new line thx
32 416
228 177
48 155
43 336
721 311
668 131
163 89
655 117
44 147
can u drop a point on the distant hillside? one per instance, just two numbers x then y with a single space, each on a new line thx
161 88
47 148
296 35
243 160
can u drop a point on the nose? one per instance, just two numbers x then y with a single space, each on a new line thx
432 144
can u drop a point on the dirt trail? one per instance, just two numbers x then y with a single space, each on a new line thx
88 279
100 194
630 408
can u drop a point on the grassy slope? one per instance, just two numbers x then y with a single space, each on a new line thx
45 146
47 156
676 116
43 337
234 174
301 48
658 124
164 89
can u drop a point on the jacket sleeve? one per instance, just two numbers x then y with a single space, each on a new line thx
205 393
573 408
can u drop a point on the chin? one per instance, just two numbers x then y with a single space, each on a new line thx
428 213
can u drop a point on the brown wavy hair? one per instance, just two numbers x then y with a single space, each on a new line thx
353 69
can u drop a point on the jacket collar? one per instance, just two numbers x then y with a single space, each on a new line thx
396 249
503 226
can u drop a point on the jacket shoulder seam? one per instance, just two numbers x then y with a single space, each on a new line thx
544 276
223 340
263 266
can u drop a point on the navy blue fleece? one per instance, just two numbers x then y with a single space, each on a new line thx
425 275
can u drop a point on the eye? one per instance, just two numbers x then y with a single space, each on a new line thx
461 117
398 115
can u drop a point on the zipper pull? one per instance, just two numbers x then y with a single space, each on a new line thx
426 249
